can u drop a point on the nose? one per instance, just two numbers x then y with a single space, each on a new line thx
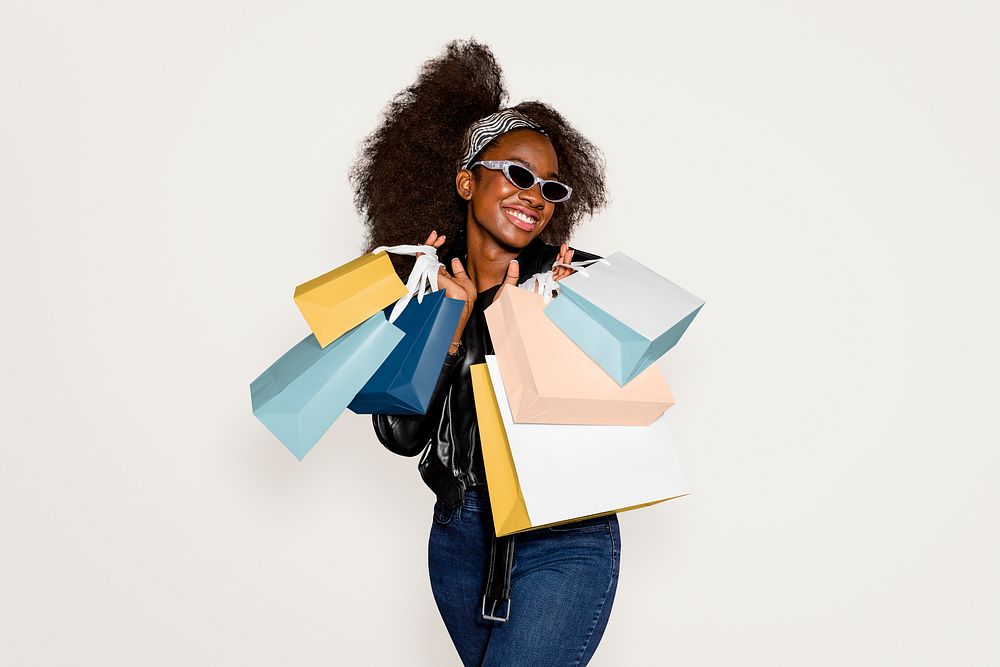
533 196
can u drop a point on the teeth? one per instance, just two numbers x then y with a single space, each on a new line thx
520 216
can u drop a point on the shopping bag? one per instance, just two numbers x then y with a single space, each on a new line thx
304 391
403 384
546 474
343 298
549 380
622 314
545 283
405 381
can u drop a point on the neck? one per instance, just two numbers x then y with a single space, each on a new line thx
488 260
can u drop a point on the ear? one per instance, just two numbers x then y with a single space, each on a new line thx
465 184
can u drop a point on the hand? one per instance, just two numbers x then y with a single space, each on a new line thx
565 256
433 240
456 285
513 272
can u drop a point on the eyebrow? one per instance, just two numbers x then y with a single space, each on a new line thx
531 166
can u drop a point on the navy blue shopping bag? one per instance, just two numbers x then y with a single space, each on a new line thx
404 382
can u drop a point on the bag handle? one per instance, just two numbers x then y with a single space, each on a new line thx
581 266
546 285
424 274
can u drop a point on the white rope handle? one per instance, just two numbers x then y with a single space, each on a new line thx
546 284
541 283
582 266
423 276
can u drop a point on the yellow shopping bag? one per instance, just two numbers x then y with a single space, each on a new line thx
509 513
340 300
568 456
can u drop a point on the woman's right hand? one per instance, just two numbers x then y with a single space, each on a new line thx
456 285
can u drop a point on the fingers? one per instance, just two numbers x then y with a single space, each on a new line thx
558 271
454 288
461 277
568 260
433 240
446 282
463 282
444 276
566 253
513 272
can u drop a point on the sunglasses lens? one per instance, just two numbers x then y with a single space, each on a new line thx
554 191
520 176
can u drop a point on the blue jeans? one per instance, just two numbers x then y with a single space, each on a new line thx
562 587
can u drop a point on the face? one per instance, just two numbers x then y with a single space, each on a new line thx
511 216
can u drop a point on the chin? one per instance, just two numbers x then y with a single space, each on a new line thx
517 238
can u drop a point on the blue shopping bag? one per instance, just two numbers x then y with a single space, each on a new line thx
304 391
405 382
622 314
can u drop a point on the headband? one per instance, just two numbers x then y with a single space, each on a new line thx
485 130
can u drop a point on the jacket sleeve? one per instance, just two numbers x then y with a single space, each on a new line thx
408 435
583 255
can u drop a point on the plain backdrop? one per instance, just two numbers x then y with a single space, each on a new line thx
823 174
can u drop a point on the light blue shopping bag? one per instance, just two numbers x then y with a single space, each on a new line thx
304 391
622 314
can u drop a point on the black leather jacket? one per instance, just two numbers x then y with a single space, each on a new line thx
448 435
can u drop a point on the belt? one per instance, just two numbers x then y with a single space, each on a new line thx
498 578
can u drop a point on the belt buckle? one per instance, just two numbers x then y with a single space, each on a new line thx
490 616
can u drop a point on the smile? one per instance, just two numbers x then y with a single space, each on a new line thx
521 219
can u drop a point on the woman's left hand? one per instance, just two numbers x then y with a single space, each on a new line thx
565 256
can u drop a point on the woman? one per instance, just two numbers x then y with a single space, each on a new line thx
493 185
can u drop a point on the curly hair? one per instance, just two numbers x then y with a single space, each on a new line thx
404 176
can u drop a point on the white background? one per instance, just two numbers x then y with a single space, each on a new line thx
823 174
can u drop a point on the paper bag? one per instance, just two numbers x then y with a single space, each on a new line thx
343 298
304 391
622 314
405 381
550 380
545 474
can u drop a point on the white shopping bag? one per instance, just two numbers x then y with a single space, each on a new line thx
567 472
622 314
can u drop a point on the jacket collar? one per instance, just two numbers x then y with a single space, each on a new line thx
536 257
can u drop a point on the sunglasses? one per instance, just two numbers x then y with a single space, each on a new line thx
524 178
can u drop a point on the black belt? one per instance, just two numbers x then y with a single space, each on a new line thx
498 578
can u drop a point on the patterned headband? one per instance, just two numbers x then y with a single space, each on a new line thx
487 129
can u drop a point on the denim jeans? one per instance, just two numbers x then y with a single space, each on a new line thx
562 587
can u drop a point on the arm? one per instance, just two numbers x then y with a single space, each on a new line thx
408 435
